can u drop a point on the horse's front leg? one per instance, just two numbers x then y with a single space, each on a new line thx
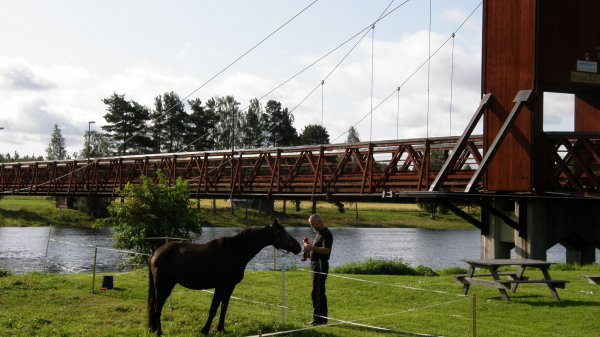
224 304
216 300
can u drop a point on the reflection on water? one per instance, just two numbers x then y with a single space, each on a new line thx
71 250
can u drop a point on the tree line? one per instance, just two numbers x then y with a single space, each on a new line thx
171 125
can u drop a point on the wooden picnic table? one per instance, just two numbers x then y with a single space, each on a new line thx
511 280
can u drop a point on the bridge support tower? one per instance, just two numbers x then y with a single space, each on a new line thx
543 46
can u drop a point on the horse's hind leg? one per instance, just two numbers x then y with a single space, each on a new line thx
162 293
216 300
224 304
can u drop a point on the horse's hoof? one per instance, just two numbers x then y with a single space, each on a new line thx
205 331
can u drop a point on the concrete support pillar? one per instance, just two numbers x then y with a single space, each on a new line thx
499 242
584 254
531 244
575 224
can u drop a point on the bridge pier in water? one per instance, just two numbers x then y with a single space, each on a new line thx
544 223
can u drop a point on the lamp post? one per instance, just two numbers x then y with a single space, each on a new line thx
89 136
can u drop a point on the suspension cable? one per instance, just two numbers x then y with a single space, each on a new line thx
451 85
372 77
398 115
384 15
416 70
322 100
428 71
366 30
224 69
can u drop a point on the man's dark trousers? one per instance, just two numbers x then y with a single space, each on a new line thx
320 269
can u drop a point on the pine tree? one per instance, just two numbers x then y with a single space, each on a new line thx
56 148
169 121
253 126
126 125
227 128
279 125
199 135
352 136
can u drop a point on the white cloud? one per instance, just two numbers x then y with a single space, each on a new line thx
17 74
72 93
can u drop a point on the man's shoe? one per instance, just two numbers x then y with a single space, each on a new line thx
314 323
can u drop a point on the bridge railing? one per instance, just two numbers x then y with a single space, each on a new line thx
306 171
574 158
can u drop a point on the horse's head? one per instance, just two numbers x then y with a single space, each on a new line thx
283 240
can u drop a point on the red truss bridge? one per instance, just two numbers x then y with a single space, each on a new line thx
361 171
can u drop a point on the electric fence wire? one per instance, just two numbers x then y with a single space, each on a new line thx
367 318
416 70
339 321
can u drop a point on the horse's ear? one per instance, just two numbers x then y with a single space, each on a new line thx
275 223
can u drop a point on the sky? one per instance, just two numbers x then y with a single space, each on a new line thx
60 58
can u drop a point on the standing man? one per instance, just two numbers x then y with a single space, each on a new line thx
319 265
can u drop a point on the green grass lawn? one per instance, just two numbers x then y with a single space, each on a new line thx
62 305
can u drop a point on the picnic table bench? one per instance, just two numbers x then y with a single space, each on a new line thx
593 279
511 280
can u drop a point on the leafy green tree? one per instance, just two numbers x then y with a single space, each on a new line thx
96 145
151 210
199 135
352 136
126 125
56 149
314 134
279 125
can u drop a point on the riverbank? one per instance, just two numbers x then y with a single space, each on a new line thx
39 211
17 211
62 305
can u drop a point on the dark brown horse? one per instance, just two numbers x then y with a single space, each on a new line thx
218 264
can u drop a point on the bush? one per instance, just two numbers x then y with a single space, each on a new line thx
384 267
453 271
4 272
151 210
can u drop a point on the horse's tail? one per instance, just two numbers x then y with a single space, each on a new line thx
151 300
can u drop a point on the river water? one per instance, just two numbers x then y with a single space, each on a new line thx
71 250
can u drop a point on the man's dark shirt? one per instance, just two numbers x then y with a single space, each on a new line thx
323 239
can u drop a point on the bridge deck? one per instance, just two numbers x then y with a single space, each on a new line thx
352 170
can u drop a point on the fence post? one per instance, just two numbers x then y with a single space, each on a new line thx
94 269
283 291
47 244
474 307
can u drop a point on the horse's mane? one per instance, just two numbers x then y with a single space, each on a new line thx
239 236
